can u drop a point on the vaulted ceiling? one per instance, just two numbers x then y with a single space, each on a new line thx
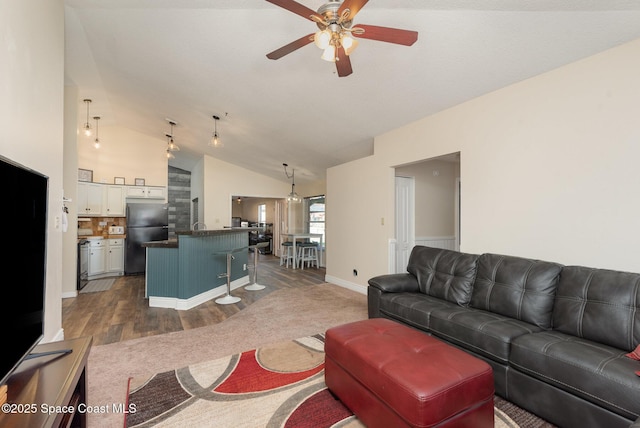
143 61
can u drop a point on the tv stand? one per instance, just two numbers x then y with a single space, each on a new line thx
46 391
44 354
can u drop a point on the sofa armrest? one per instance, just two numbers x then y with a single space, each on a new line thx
395 283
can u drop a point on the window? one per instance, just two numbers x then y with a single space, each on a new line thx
315 208
262 214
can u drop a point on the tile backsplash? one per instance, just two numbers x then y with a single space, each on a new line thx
99 225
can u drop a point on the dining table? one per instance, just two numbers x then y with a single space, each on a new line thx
294 237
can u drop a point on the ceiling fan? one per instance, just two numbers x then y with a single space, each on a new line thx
337 35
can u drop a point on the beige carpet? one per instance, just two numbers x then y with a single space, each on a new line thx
281 315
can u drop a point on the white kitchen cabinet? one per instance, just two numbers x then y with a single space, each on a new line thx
89 199
97 261
146 192
115 256
114 201
156 192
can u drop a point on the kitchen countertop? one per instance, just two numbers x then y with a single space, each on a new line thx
124 236
173 243
169 243
208 232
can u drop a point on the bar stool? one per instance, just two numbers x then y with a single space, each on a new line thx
308 254
256 250
228 298
286 255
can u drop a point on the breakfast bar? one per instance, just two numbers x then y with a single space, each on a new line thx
187 271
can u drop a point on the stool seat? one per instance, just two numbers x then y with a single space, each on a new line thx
391 375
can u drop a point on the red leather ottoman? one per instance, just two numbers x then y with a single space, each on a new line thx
391 375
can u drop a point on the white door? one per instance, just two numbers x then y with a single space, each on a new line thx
405 221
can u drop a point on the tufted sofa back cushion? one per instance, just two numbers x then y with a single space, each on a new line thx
445 274
516 287
600 305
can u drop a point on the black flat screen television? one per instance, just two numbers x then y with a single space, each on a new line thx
23 264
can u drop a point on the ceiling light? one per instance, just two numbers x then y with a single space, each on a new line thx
329 54
215 138
293 196
96 142
171 145
322 38
87 126
348 43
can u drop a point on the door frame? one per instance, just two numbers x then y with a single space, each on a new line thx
405 221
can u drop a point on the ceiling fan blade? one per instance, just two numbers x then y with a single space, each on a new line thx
287 49
298 9
386 34
353 5
343 63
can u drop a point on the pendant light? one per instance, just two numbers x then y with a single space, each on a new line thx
171 145
96 142
293 196
215 139
87 126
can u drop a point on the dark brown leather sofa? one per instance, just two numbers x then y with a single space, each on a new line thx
556 336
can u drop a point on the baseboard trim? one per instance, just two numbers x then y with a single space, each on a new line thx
192 302
346 284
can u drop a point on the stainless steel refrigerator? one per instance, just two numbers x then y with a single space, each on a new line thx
145 223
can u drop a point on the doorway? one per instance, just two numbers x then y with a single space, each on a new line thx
434 212
405 221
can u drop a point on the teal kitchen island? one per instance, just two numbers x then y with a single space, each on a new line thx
185 272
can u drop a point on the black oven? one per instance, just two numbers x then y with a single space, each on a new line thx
83 263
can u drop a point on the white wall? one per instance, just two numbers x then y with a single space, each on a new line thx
31 107
548 169
435 186
70 180
124 153
222 180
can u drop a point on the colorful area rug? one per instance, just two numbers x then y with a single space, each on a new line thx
275 386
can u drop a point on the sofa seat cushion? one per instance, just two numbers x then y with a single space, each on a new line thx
411 308
482 332
598 373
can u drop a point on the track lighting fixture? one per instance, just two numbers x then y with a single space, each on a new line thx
87 126
215 139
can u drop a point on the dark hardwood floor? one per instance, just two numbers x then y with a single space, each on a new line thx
123 313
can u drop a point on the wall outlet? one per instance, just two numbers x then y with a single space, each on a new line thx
244 266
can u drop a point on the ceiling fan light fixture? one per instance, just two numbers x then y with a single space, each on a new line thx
348 43
322 38
329 54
